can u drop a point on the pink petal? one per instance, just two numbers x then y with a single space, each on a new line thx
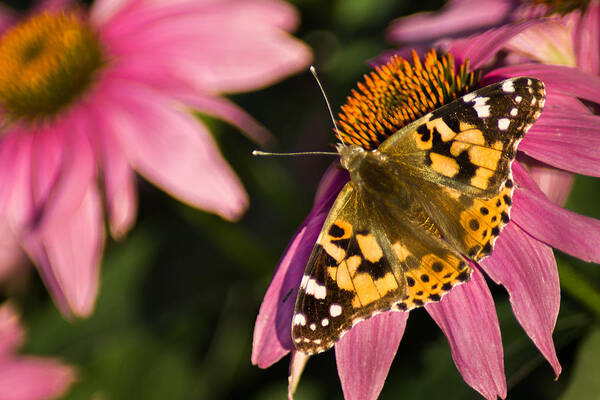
479 48
558 79
458 18
560 228
52 5
467 316
555 183
217 51
172 149
566 140
34 378
364 354
102 11
550 42
14 267
18 200
11 331
586 35
227 111
67 251
272 331
298 361
119 178
527 269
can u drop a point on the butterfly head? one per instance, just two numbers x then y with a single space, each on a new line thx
351 156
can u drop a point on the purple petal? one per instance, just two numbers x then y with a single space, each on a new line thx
567 140
479 48
587 32
272 331
558 79
467 316
527 269
458 18
365 353
560 228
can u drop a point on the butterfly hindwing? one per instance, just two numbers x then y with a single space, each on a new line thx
369 258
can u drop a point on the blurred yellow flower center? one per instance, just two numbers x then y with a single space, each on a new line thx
398 93
46 62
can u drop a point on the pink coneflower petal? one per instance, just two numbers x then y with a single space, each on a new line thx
68 254
33 378
11 331
272 331
479 48
567 81
226 110
18 206
555 183
171 149
298 361
364 354
118 179
563 229
549 42
180 46
467 316
527 269
457 19
52 5
586 39
566 140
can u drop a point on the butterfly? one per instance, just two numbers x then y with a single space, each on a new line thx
431 198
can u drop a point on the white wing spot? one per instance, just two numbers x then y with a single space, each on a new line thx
316 290
324 322
533 101
304 280
518 99
481 107
469 97
335 310
299 319
507 86
503 124
514 112
313 327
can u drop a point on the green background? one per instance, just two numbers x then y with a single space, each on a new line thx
179 295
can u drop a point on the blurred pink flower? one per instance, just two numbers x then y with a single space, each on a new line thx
566 137
90 97
27 377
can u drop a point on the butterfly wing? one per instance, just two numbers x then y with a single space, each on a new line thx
469 144
368 259
458 158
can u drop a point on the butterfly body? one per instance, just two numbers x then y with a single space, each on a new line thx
431 198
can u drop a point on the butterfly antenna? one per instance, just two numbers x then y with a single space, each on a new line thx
313 70
303 153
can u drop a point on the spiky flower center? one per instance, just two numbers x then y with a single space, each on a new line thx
563 7
397 93
45 63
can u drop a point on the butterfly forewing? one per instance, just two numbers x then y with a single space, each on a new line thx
468 144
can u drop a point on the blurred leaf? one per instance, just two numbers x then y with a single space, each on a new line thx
585 382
